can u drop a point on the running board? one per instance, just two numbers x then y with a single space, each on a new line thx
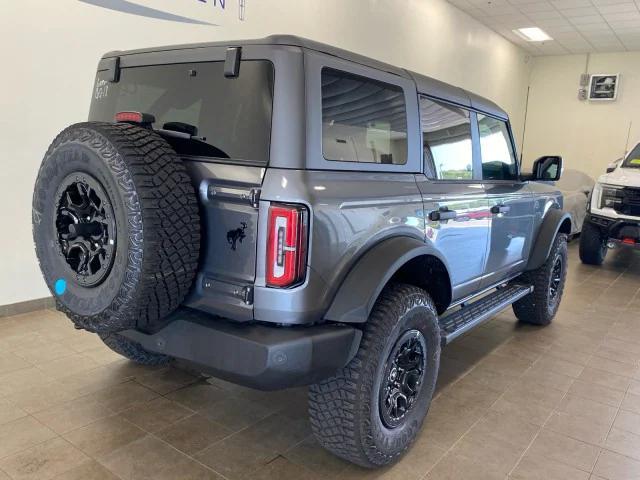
472 314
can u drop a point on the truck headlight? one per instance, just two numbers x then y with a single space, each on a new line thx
611 197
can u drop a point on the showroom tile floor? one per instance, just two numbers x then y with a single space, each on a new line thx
518 402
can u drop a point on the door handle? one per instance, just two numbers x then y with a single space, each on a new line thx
497 209
443 213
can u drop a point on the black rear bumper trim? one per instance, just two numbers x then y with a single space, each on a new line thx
257 356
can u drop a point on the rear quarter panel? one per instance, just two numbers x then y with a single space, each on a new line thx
350 212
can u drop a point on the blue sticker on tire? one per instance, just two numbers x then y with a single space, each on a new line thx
60 286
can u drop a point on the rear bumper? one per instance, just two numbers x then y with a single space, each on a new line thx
257 356
616 230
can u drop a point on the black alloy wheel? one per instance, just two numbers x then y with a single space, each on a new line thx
556 278
85 228
403 376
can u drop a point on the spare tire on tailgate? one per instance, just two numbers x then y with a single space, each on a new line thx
116 226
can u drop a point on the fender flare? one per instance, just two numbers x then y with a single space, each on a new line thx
555 221
362 286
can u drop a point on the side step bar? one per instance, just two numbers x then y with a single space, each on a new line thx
472 314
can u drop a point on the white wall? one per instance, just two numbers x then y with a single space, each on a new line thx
589 135
49 51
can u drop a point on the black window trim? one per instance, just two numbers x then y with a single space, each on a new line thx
475 145
518 177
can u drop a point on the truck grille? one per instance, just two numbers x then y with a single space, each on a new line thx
630 202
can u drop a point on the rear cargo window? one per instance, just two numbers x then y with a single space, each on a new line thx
363 120
228 119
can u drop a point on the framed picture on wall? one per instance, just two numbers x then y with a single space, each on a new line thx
604 86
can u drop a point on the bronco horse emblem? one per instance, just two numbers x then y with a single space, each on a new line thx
237 235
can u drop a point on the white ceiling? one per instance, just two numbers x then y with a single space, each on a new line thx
576 26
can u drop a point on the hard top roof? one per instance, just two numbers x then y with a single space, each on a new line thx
426 85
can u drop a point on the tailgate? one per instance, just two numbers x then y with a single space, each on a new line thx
228 196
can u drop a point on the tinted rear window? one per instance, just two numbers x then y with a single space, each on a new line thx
232 115
363 120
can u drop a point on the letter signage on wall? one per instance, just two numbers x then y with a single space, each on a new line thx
201 12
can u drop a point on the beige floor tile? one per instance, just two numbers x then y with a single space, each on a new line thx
467 392
447 421
198 396
9 411
152 459
104 436
283 469
563 449
624 443
558 366
236 458
43 353
9 362
90 470
525 391
614 466
281 431
545 378
454 467
512 429
21 434
583 407
631 403
44 461
68 365
236 413
529 412
596 393
102 355
167 380
41 397
612 366
605 379
157 414
634 387
617 355
578 427
312 456
540 468
499 454
74 414
628 421
193 434
21 380
124 396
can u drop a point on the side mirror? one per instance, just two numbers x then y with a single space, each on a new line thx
548 168
611 168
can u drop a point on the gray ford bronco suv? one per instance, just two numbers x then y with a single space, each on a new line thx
283 213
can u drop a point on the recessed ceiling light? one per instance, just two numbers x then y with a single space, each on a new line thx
532 34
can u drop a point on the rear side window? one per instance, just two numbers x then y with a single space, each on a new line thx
446 138
363 120
498 159
227 118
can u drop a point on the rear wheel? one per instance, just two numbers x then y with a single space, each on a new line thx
593 245
541 306
370 412
116 226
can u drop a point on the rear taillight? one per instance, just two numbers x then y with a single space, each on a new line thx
286 245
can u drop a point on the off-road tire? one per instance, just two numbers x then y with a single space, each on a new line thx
539 307
345 409
133 351
157 226
593 245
